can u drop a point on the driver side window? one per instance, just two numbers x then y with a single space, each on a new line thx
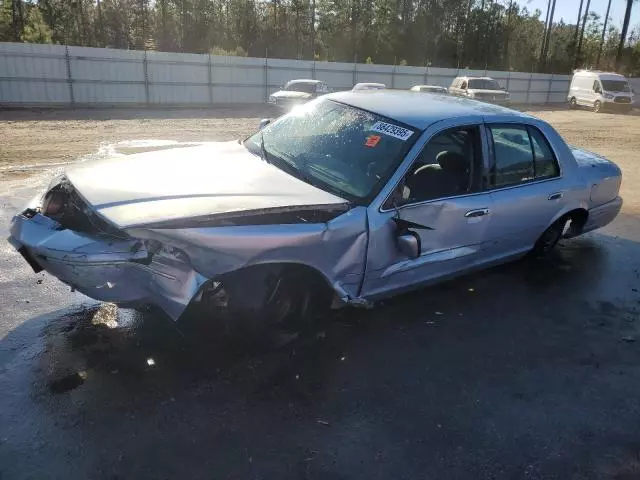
447 166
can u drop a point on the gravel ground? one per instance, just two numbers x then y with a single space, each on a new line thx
529 370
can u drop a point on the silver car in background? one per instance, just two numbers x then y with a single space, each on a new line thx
429 89
297 92
351 198
369 86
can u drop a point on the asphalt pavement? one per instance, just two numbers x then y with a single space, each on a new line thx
528 370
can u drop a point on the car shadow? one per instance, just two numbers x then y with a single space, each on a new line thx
516 345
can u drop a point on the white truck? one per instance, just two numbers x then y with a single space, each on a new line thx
600 91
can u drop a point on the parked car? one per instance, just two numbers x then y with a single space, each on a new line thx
428 89
357 197
369 86
480 88
600 90
297 92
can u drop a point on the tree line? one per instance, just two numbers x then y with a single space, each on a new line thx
478 34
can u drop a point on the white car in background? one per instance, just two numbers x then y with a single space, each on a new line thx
600 90
428 89
369 86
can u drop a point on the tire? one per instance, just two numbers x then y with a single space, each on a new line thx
573 104
597 106
266 306
549 238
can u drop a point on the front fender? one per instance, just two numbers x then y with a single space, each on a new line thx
335 249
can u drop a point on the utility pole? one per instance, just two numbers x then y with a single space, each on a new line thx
604 32
584 21
506 43
313 29
623 34
547 36
577 29
100 41
544 33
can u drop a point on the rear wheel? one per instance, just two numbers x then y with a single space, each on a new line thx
549 238
597 106
572 103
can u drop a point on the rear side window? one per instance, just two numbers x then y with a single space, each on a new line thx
521 155
545 165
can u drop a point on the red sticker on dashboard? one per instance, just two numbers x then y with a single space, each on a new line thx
372 140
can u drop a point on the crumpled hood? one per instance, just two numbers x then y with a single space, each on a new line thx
178 183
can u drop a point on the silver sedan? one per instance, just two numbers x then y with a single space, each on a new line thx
351 198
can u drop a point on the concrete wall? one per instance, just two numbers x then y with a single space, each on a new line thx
32 74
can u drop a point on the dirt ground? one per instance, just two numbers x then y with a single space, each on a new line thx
32 139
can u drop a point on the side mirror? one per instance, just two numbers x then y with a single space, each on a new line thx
263 123
409 244
597 90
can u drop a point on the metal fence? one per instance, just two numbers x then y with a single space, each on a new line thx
58 75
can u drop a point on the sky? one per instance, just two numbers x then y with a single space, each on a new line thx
568 10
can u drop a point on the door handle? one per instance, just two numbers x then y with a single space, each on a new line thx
481 212
555 196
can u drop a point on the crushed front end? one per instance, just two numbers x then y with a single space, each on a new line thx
59 233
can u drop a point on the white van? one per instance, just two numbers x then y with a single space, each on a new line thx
600 90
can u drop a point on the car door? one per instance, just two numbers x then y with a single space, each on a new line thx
439 201
526 187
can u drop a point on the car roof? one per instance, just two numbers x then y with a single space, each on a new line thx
370 83
411 108
599 74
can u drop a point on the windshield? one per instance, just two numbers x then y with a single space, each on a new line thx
336 147
615 85
484 84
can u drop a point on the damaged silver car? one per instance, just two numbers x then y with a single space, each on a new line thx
350 198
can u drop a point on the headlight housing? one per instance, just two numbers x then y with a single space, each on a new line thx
55 202
470 94
608 96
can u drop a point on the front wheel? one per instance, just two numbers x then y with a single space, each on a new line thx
549 239
265 305
597 106
573 104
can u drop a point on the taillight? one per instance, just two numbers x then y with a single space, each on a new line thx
54 203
